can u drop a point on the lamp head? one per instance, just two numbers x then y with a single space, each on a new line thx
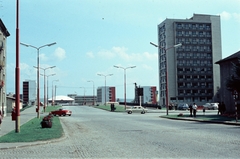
153 44
178 45
52 44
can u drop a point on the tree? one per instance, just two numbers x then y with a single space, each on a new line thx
233 83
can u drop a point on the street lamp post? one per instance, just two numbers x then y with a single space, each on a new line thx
93 92
46 98
17 72
44 75
105 85
53 92
47 84
125 68
38 92
165 50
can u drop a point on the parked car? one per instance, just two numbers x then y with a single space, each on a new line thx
136 109
61 112
182 106
212 106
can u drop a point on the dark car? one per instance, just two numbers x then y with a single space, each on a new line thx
61 112
183 106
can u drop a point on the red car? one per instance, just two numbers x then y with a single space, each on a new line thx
61 112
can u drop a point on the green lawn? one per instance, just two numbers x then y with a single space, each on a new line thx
204 117
108 107
32 130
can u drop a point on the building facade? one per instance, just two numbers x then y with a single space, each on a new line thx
190 70
106 96
226 72
85 100
29 92
10 102
149 95
3 55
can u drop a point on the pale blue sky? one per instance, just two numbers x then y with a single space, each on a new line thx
94 35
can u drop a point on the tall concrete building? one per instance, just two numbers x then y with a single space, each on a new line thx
29 92
149 95
3 55
109 94
191 73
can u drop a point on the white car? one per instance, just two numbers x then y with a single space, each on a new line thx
211 106
137 109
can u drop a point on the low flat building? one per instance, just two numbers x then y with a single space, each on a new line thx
11 104
85 100
60 100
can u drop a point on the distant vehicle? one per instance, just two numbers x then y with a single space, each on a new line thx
137 109
212 106
182 106
61 112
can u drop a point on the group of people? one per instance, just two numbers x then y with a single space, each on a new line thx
112 107
193 109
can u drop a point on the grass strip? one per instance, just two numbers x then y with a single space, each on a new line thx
32 131
108 107
203 117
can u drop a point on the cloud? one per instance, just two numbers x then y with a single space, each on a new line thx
122 53
106 54
26 70
227 16
60 54
43 57
147 67
236 16
90 54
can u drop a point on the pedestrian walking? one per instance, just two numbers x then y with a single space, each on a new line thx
0 119
223 108
190 109
112 107
194 107
219 108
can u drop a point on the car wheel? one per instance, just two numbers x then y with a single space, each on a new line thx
143 112
54 114
70 114
130 112
64 114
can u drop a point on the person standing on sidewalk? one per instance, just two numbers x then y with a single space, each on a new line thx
190 109
194 107
0 119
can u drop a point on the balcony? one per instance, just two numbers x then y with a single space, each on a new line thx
2 64
1 83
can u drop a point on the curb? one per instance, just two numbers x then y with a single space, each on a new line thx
36 143
204 121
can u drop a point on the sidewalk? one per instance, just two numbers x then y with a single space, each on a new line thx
8 125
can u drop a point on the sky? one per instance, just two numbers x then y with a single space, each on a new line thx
94 35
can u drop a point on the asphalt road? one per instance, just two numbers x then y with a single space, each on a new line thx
95 133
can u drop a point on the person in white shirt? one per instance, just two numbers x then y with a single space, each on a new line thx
194 107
